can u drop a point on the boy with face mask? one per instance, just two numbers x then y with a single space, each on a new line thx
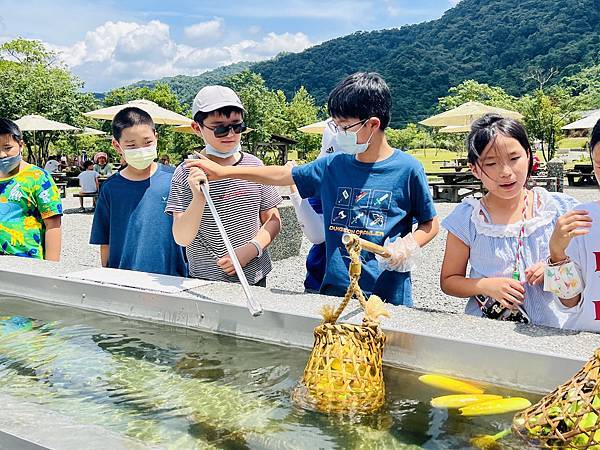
369 189
248 210
30 206
129 223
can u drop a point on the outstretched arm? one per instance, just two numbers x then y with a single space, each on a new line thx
270 175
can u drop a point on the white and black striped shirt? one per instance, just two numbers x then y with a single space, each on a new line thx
239 204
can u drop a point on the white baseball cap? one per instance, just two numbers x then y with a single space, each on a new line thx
210 98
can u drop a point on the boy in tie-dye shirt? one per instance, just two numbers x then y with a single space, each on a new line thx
30 206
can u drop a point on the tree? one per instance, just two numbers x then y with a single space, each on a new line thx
176 145
32 82
471 90
544 115
585 85
268 112
260 104
407 138
302 110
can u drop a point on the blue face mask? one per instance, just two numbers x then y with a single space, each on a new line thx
10 163
345 142
210 150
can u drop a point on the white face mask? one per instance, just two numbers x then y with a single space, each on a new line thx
210 150
345 142
140 158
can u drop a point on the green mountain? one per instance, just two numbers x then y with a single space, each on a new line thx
186 87
497 42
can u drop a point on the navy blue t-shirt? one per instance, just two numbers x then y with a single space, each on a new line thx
373 200
130 219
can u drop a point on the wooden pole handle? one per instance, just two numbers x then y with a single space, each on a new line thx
349 238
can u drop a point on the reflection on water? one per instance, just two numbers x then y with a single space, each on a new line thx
186 389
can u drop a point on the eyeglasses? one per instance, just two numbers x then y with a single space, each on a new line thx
223 130
335 129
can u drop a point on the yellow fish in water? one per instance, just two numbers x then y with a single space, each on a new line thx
450 384
460 400
500 406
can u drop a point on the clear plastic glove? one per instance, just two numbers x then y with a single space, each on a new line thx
404 254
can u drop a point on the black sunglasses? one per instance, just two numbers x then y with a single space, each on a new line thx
223 130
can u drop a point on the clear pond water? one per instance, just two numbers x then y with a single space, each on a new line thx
179 388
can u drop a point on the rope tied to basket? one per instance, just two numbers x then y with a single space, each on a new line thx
344 372
374 308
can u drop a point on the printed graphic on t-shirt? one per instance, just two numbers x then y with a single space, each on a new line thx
360 197
26 199
339 216
343 196
368 214
359 217
381 200
376 220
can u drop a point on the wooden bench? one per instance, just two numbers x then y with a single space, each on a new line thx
62 186
92 196
452 192
548 183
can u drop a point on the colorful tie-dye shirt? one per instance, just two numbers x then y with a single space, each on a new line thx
26 199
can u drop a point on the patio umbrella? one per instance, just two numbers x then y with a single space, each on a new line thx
88 131
184 128
465 114
158 113
314 128
35 122
586 123
455 129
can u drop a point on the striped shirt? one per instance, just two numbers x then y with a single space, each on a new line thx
239 203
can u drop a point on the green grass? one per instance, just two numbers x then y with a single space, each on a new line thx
577 142
426 157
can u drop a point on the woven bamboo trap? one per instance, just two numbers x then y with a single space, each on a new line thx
568 417
344 372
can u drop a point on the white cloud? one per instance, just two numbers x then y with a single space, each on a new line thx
392 9
454 2
118 53
210 30
254 29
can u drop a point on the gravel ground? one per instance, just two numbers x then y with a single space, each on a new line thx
288 274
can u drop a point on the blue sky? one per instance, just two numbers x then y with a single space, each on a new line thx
110 44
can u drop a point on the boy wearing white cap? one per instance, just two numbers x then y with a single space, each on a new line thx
248 210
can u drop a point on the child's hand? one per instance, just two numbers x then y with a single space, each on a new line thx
507 291
535 274
195 179
244 253
214 170
574 223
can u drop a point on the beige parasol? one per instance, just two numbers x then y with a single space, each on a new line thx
158 113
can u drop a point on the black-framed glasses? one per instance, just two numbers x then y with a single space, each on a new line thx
223 130
336 129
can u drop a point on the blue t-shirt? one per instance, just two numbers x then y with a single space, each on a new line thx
374 201
130 219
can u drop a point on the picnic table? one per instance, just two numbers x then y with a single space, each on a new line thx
452 177
458 164
454 186
582 175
